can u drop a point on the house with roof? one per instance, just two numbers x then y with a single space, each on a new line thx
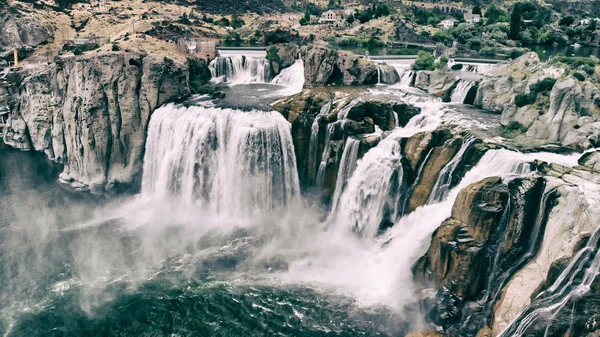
446 24
472 18
334 16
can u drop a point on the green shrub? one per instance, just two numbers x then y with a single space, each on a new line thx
542 86
115 47
579 76
590 70
273 54
77 51
522 100
425 61
514 129
575 61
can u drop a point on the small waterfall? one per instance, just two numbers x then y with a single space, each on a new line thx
292 78
444 181
347 167
240 69
573 283
313 147
459 94
227 161
325 156
407 77
372 193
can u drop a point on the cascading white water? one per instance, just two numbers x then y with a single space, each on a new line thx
313 147
373 191
347 167
369 192
292 78
459 94
228 161
240 69
442 184
406 77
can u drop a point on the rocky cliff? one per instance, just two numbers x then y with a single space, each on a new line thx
566 114
506 243
325 66
22 33
323 120
91 114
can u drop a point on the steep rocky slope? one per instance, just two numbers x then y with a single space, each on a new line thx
91 114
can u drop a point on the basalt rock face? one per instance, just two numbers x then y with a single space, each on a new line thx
322 121
282 56
428 153
91 114
494 230
23 33
567 114
440 83
324 66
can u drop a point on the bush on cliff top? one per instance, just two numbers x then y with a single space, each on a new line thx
541 87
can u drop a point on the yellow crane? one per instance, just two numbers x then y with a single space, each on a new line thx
16 65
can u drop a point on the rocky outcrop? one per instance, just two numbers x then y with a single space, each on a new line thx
568 114
494 230
91 114
438 82
281 56
457 252
573 218
324 66
322 120
428 153
23 33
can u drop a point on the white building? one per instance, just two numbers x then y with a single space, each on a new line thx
335 16
446 24
584 22
472 18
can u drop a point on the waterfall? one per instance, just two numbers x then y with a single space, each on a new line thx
574 282
225 160
372 193
292 78
459 94
313 147
406 77
347 167
444 181
240 69
325 156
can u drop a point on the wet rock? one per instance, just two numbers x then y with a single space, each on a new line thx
456 258
324 66
438 82
436 159
282 56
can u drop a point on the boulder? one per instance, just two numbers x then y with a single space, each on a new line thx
282 56
325 66
24 33
439 82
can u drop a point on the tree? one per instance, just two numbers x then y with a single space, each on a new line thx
425 61
236 22
566 21
476 10
494 15
515 22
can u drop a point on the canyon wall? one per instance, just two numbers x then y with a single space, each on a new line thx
91 114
